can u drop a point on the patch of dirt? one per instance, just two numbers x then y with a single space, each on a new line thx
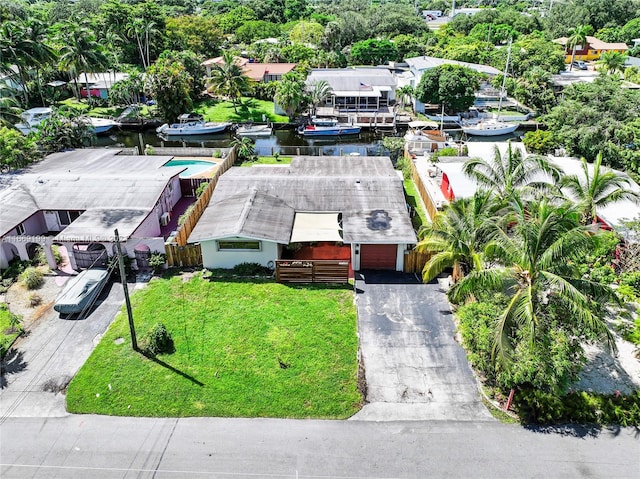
17 298
607 374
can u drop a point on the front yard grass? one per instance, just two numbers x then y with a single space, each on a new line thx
249 109
10 328
242 349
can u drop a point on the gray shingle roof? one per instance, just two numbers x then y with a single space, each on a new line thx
425 63
354 186
349 79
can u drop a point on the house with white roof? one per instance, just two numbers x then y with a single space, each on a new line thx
99 83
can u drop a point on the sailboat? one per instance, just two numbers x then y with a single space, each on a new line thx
493 126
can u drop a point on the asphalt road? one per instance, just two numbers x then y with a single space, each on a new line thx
106 447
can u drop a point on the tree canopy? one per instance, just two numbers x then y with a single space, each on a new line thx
452 85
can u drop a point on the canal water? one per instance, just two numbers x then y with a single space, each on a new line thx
283 142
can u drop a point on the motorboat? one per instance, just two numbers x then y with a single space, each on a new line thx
490 127
102 125
328 127
81 291
254 130
32 118
191 124
424 137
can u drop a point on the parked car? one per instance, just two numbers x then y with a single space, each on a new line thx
580 64
81 292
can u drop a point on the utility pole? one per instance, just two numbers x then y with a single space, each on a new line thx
123 279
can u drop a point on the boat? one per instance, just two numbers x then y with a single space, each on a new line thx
328 127
254 130
425 137
191 124
32 118
81 291
493 126
102 125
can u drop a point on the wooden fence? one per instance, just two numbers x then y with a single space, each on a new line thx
422 190
414 261
183 256
312 271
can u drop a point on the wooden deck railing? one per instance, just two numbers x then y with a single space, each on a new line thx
312 271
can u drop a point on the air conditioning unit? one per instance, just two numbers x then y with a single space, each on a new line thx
164 219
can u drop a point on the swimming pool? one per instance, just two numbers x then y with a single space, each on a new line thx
194 167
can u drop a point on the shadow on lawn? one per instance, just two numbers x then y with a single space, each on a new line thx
170 368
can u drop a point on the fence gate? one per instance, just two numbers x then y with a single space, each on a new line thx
312 271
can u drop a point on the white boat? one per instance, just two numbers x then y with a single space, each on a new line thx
328 127
190 124
424 137
446 119
254 130
102 125
32 118
493 126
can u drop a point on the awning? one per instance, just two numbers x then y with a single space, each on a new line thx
423 124
356 93
308 227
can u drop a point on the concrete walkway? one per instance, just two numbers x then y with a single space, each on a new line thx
42 363
414 368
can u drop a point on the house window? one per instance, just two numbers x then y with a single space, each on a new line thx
65 218
233 245
20 229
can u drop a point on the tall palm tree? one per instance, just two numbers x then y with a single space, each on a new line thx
17 48
80 53
405 94
578 37
9 106
228 79
539 277
612 62
290 93
318 93
596 188
508 173
457 236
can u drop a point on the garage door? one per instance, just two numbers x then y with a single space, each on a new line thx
378 256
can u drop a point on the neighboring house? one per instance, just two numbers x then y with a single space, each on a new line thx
591 50
77 198
352 205
99 83
259 72
356 88
419 65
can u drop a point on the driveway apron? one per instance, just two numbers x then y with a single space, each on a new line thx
414 368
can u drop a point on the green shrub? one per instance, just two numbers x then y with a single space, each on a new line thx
447 151
217 154
631 333
632 280
15 269
603 274
157 260
201 188
250 269
35 300
184 216
32 278
56 254
158 341
627 294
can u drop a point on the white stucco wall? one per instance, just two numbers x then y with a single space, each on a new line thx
149 228
212 258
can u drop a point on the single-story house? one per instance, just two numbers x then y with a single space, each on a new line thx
78 198
356 88
419 65
99 83
591 50
355 205
259 72
447 181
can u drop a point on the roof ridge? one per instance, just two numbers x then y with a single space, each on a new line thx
244 214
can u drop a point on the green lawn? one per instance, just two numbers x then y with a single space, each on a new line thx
8 333
102 111
414 200
243 349
250 109
269 160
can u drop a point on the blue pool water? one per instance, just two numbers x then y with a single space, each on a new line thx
194 167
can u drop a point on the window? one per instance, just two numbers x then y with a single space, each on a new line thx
229 245
65 218
20 229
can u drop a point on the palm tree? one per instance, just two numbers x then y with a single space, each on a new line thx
19 49
244 147
142 31
612 62
597 188
405 94
457 236
578 37
80 53
319 92
290 93
539 277
508 173
228 79
9 106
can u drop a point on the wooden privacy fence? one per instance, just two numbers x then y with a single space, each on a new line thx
183 256
414 261
312 271
422 190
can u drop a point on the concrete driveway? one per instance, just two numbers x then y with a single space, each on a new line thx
414 368
41 364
